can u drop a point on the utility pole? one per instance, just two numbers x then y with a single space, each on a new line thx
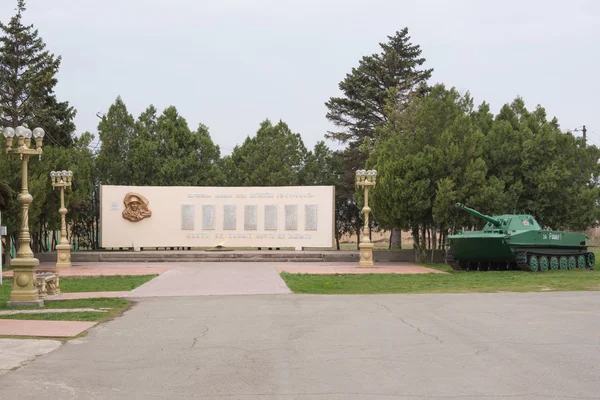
584 136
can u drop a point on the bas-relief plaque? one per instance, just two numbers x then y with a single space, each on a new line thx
310 217
271 217
291 217
187 217
208 217
136 207
229 217
249 217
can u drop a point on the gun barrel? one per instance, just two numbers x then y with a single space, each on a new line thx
476 213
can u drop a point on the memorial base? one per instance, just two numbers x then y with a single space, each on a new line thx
24 291
366 254
63 259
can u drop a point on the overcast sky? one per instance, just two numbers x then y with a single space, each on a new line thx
232 63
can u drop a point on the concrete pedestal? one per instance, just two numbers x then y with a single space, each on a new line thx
366 254
24 291
63 259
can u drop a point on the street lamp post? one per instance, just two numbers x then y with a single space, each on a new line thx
366 180
62 180
24 291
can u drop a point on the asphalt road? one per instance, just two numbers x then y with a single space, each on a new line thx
452 346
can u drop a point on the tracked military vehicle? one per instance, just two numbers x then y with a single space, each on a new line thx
517 242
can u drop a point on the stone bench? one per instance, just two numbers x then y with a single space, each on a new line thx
47 284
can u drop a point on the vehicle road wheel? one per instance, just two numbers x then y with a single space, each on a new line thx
533 264
544 263
554 263
564 263
591 260
572 262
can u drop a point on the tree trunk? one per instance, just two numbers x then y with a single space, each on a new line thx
433 241
418 243
358 240
7 254
337 242
396 239
428 231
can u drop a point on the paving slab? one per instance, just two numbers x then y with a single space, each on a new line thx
215 279
87 295
17 327
15 353
354 269
51 311
361 347
104 269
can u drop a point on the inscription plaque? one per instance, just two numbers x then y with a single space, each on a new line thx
249 217
310 217
208 217
229 217
271 217
187 217
291 217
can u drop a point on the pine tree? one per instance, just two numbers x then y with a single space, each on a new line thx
27 80
367 88
395 72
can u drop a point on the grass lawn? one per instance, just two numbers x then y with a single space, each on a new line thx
103 283
453 282
91 284
114 306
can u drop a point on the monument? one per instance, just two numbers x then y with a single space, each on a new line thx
280 216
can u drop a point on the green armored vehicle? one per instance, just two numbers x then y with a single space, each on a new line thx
516 242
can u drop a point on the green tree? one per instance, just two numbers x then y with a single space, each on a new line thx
274 157
366 88
396 74
115 131
185 157
429 155
544 170
27 80
142 161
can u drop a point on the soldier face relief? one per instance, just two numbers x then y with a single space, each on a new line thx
136 207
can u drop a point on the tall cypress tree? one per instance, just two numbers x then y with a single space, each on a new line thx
27 80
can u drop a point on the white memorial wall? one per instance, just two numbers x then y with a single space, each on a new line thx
158 216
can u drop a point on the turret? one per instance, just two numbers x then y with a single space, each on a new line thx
489 219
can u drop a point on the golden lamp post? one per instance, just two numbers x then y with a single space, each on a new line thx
366 180
24 291
62 180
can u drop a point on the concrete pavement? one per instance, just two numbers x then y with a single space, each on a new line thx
449 346
15 353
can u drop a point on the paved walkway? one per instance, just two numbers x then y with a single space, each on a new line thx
87 295
201 279
354 269
51 311
104 269
18 327
453 346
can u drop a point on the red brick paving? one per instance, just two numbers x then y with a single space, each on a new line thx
17 327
